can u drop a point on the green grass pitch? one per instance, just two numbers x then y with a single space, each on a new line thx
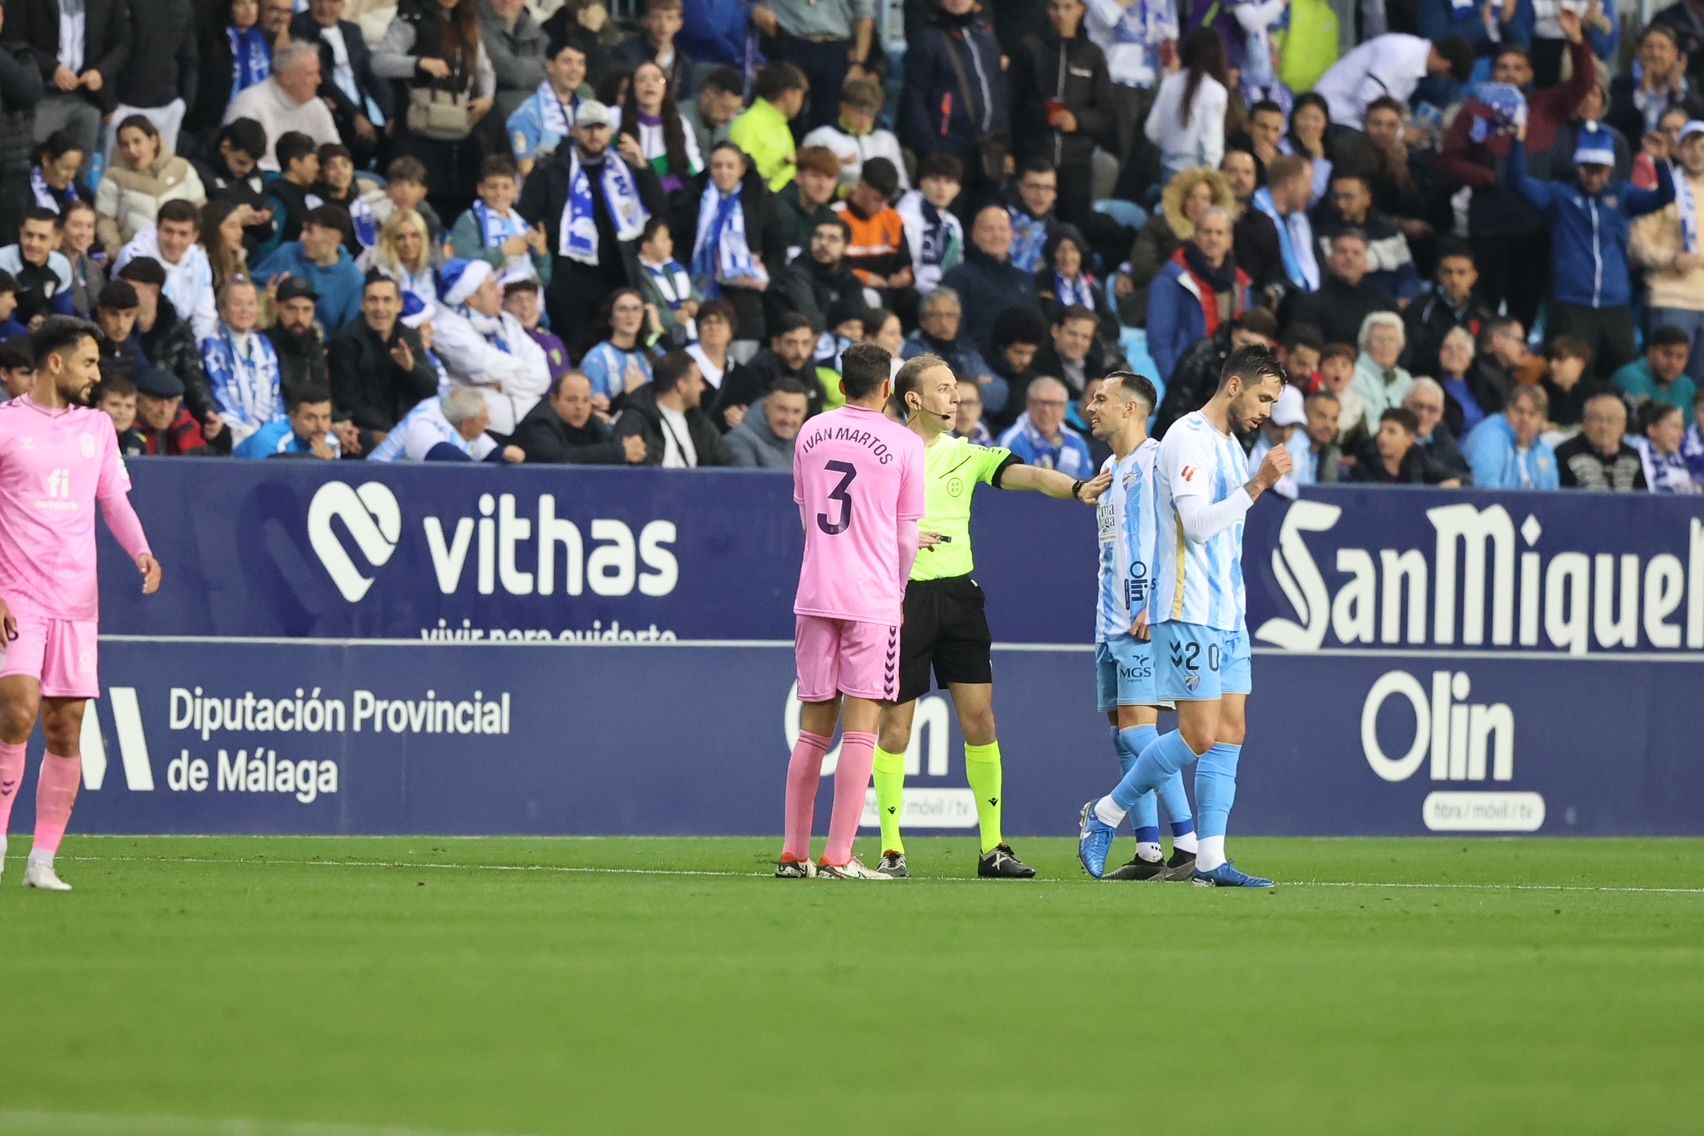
359 987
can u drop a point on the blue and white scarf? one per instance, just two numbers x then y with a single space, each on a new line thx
490 328
938 235
496 228
1029 239
1666 473
1508 108
47 197
1080 291
721 253
1148 23
1692 449
1300 264
1047 454
365 221
578 239
251 58
671 281
245 388
1687 206
553 112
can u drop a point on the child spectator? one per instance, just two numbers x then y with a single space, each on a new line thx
666 285
493 232
933 231
116 398
857 138
878 253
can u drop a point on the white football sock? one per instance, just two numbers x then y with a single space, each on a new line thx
1109 813
1184 843
1211 853
1149 851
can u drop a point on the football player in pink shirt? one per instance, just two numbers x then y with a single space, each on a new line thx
858 482
58 458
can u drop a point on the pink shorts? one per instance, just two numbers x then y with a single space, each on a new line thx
60 653
842 656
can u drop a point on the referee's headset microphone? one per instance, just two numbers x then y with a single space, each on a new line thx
948 417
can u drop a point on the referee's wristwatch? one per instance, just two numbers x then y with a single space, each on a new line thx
1077 489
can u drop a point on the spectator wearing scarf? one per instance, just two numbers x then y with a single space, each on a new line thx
1040 437
1661 444
538 125
735 239
241 364
1670 245
1199 289
485 231
1692 448
53 178
1656 82
593 206
485 347
1064 281
935 233
1284 199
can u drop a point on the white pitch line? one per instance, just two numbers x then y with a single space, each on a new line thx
568 869
27 1121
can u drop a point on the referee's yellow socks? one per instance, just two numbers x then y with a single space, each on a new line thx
890 796
982 770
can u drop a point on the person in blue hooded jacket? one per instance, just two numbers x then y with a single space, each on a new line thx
1591 290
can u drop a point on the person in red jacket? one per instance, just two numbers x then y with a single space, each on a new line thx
169 429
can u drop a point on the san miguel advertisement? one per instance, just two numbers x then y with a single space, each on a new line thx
422 650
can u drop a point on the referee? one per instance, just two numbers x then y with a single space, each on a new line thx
946 629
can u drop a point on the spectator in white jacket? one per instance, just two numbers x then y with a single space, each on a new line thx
144 175
173 241
485 347
1389 65
856 138
1187 121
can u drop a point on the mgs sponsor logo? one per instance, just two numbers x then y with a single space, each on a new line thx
1485 580
500 549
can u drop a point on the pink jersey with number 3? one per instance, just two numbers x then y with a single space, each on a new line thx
55 466
856 475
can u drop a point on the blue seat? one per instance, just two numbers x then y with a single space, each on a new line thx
1126 213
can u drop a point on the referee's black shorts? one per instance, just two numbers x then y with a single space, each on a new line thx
946 630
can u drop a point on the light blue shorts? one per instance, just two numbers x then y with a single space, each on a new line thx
1195 663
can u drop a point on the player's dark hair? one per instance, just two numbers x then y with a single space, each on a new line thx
864 367
59 334
911 373
1252 365
298 397
1403 417
668 371
1137 387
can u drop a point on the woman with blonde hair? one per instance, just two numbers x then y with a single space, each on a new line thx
403 252
1188 196
144 175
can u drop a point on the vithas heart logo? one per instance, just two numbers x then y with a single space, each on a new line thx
373 520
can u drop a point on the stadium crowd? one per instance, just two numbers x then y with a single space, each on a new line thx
553 232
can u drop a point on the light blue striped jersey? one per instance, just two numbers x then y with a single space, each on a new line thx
1198 582
1126 522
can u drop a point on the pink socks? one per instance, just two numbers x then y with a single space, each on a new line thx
55 794
851 785
804 770
11 779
